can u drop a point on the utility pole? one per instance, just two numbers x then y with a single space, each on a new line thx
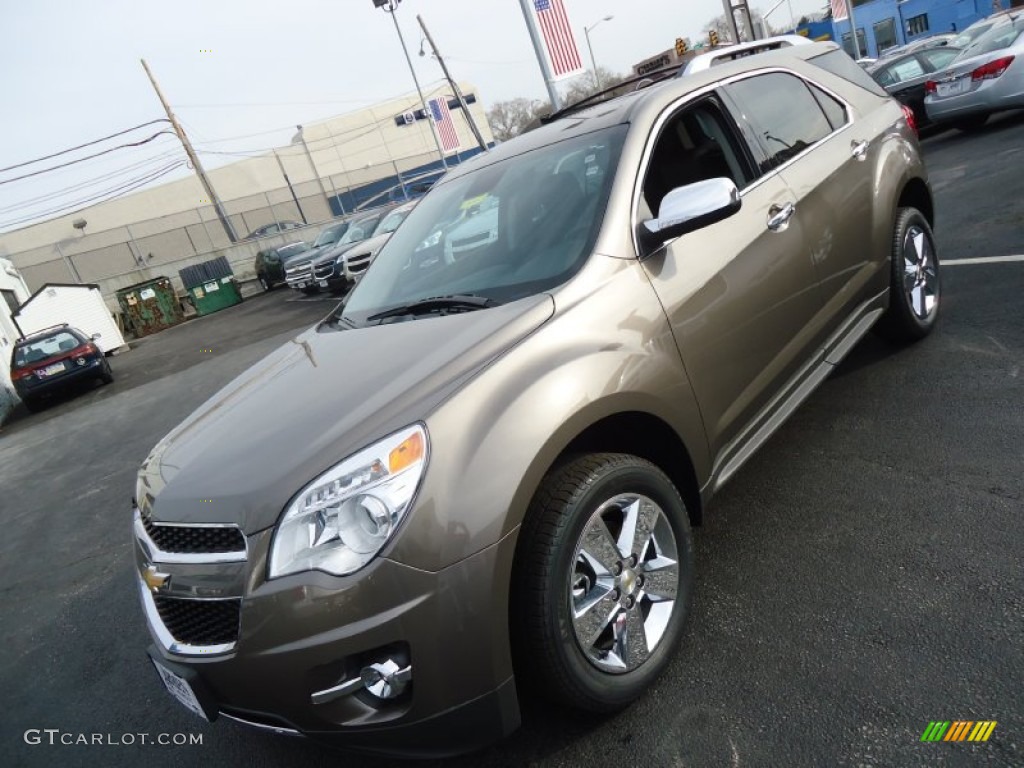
391 6
193 158
316 175
290 187
455 87
538 47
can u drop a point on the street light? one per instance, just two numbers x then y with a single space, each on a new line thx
586 32
391 6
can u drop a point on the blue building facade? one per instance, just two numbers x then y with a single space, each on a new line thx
883 24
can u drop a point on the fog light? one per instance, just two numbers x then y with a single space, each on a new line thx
386 680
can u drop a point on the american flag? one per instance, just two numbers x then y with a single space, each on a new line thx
558 37
443 118
839 11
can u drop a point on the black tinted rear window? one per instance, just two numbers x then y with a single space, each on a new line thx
840 64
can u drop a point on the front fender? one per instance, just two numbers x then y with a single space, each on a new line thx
493 442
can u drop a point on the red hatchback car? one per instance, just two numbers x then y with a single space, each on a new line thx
53 359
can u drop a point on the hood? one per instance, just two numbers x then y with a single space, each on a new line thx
315 401
370 245
332 252
306 255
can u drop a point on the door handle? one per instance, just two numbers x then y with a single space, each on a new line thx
779 216
859 149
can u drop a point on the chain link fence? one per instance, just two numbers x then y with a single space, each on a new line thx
122 256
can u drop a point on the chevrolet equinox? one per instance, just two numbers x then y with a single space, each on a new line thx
492 455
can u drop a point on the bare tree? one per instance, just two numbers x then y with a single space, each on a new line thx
586 85
510 118
721 26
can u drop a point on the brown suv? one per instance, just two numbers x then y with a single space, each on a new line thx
492 456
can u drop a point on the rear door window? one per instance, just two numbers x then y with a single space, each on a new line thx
838 63
784 115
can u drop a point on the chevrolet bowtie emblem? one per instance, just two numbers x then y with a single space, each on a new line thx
154 579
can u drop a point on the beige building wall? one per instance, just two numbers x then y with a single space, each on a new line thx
176 217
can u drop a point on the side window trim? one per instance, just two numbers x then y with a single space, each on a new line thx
735 119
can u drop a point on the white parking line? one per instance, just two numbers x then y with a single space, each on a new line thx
980 260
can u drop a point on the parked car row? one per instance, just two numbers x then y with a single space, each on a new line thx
987 76
959 80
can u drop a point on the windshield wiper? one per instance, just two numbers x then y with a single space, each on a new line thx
460 302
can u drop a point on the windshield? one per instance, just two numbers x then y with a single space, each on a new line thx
330 234
995 39
505 231
360 230
40 349
971 34
391 221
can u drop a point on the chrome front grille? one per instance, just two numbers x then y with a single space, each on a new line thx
323 271
200 623
191 581
299 272
194 539
359 263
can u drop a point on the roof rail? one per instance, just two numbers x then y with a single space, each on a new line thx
641 81
731 52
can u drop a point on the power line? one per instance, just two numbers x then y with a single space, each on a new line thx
28 202
87 157
83 146
107 195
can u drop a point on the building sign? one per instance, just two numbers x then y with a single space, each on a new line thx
653 64
410 117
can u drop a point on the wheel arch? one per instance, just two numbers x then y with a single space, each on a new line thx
649 437
916 194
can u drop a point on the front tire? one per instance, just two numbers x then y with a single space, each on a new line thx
602 581
914 285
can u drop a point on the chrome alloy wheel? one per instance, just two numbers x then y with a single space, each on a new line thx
623 585
920 273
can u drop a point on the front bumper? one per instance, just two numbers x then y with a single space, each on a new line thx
307 633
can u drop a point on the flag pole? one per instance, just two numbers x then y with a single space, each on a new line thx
549 80
853 29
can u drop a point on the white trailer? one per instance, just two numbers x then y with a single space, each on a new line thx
80 306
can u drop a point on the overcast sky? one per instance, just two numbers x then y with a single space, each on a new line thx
71 72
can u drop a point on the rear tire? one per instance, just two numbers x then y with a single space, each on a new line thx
107 377
602 581
32 405
914 282
971 124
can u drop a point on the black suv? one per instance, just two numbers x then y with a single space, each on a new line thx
51 360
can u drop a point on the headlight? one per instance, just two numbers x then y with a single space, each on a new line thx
431 241
340 521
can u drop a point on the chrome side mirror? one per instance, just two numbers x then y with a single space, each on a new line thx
689 208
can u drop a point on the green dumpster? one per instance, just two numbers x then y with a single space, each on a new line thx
211 285
150 306
215 295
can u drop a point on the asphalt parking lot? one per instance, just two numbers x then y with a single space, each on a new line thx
861 576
